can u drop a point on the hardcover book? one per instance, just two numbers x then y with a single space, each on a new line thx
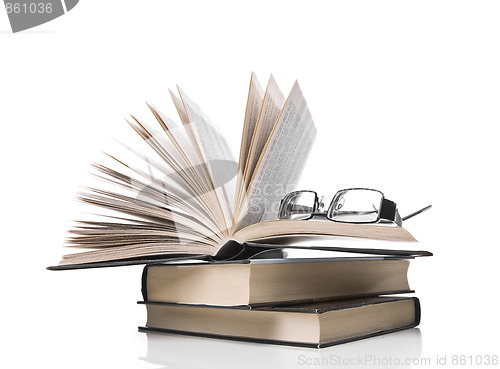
318 324
273 282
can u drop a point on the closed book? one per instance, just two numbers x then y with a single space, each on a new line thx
260 282
318 324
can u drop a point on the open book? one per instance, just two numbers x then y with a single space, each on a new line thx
191 197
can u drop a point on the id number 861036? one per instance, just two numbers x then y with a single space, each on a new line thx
28 8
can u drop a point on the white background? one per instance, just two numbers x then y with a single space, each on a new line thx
405 96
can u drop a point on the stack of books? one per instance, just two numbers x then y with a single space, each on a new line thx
185 197
299 302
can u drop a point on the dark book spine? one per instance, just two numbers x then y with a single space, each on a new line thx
144 283
418 311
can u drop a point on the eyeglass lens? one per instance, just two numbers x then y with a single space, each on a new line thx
299 205
355 206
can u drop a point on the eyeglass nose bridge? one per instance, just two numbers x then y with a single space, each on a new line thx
321 204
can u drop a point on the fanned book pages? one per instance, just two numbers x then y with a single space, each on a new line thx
189 196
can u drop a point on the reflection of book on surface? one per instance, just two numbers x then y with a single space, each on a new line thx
259 282
175 351
189 197
317 324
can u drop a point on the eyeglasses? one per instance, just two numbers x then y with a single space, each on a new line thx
352 205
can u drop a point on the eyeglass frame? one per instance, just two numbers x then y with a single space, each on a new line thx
387 211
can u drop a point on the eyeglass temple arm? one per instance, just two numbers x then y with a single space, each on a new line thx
417 212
